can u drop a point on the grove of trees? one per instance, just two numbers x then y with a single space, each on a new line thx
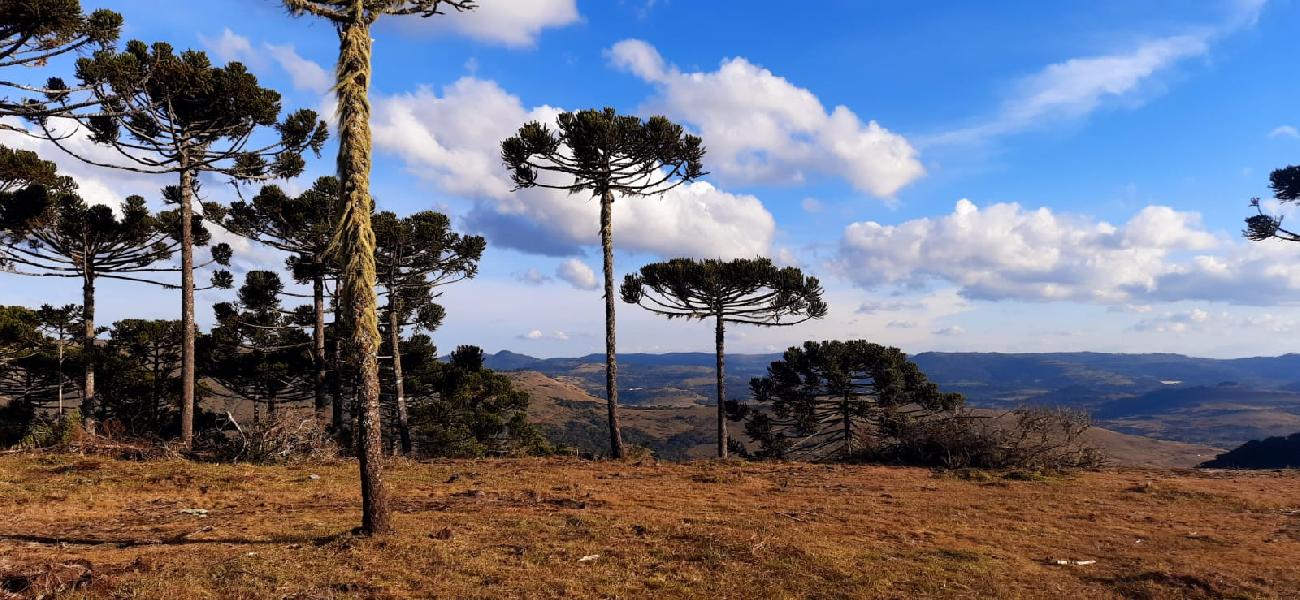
342 329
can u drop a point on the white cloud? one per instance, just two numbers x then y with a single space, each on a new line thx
532 277
811 205
305 74
505 22
1076 87
230 46
578 274
952 330
453 140
1006 252
759 127
1177 322
537 335
1284 131
896 324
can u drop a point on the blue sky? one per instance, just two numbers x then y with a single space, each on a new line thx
1011 176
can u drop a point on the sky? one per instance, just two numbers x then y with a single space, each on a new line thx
1016 176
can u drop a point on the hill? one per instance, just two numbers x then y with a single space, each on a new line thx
1215 402
577 529
568 414
1270 453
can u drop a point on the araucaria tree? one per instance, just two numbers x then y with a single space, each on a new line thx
33 32
302 226
356 239
65 237
258 350
415 256
602 153
1285 183
746 291
837 400
177 114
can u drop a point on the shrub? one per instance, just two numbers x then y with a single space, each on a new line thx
279 439
1029 438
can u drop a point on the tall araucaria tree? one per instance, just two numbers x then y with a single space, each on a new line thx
69 238
415 256
177 114
747 291
829 400
34 32
356 239
605 154
302 226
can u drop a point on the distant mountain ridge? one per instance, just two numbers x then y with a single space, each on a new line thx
1220 402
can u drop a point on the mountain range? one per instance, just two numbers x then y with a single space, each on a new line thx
1214 402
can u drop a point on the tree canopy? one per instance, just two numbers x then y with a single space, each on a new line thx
1285 183
751 291
33 32
836 399
604 153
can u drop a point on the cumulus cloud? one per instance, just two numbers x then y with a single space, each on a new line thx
578 274
759 127
536 335
452 140
952 330
505 22
1004 251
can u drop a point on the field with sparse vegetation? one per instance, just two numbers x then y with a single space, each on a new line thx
78 526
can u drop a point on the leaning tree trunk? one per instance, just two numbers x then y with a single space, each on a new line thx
88 353
187 307
399 386
320 389
722 390
357 245
611 358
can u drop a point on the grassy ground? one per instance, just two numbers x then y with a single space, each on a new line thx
521 528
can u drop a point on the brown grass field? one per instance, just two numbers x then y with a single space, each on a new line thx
90 527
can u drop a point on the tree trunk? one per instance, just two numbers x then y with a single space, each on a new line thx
357 283
62 375
88 347
722 390
848 430
318 347
336 373
187 307
611 358
399 386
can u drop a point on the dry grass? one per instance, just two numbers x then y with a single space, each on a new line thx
518 528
